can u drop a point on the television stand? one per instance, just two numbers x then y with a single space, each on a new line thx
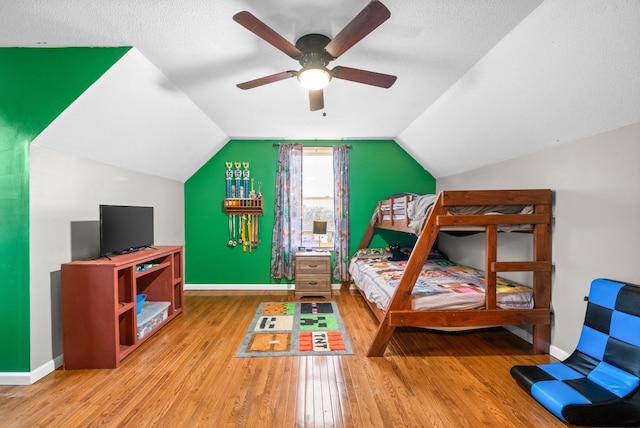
100 323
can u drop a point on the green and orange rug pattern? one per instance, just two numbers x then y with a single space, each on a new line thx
296 329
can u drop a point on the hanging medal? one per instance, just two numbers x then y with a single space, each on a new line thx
242 235
230 243
232 230
254 240
249 232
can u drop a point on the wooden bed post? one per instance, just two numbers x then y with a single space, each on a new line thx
368 232
542 279
401 299
491 256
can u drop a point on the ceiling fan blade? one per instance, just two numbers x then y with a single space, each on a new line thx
260 29
267 79
364 76
316 99
374 14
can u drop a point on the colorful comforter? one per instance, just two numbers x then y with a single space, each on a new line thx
442 284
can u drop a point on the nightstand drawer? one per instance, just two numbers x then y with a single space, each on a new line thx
312 283
313 265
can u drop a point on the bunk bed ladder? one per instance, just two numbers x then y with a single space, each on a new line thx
540 266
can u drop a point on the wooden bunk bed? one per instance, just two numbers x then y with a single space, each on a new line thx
393 214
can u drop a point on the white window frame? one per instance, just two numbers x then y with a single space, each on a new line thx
315 179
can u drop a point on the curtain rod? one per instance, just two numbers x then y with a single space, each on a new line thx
279 144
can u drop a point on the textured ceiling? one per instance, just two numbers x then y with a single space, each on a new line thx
477 81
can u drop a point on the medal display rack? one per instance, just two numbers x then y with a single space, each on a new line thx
251 206
243 206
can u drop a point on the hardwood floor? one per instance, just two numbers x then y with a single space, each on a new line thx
187 376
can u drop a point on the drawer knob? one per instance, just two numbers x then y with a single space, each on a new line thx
312 282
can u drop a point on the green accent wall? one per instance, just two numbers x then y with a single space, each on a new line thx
378 168
36 85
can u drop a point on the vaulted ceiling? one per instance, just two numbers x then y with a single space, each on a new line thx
478 81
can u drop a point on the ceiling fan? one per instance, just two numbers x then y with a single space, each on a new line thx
315 51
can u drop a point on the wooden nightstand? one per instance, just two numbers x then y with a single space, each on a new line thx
313 274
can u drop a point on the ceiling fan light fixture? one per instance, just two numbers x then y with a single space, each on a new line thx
313 78
315 51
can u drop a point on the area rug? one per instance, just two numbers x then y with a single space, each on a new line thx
295 329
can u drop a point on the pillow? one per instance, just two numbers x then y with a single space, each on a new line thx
398 254
364 253
435 254
370 253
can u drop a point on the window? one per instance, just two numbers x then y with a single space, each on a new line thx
317 195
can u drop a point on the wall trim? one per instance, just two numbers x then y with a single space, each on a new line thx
255 287
28 378
554 351
17 378
236 287
558 353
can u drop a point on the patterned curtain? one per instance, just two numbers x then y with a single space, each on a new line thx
287 228
341 201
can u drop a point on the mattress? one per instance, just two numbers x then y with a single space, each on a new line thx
441 284
395 217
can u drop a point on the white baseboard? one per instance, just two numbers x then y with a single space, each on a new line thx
17 378
558 353
28 378
526 335
237 287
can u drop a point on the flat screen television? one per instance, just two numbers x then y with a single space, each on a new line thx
124 229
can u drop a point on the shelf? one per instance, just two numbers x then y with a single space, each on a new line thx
251 206
140 273
100 323
125 350
124 307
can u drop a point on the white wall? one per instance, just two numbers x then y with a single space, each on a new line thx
596 212
135 118
65 189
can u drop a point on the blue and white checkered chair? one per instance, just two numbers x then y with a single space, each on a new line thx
599 383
